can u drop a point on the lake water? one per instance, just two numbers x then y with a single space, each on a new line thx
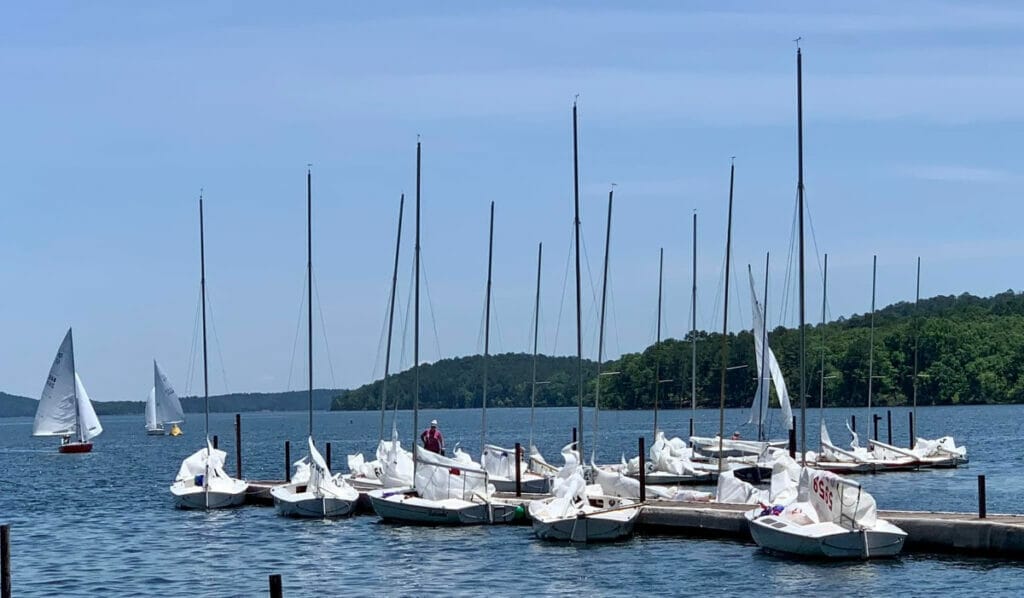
104 523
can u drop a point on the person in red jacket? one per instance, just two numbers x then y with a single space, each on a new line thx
432 439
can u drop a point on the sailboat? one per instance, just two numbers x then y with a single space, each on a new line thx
576 513
162 406
64 407
317 493
444 491
392 465
501 463
201 482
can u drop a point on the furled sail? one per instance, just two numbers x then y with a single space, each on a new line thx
759 408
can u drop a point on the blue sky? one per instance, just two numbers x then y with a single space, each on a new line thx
114 115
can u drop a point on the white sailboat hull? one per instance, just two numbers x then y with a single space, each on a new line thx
293 500
825 540
155 432
529 483
405 506
219 494
604 520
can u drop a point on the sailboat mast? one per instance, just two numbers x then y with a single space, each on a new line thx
800 193
600 331
871 337
202 291
693 332
725 324
416 325
391 319
309 290
579 314
487 331
657 346
917 339
536 329
74 387
764 383
821 388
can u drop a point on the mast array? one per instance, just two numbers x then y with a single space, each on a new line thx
391 319
600 332
725 323
579 311
309 289
800 193
657 345
487 331
536 329
416 323
693 331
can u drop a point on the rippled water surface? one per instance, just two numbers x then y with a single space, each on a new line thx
104 523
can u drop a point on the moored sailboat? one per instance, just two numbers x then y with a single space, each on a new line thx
201 482
64 407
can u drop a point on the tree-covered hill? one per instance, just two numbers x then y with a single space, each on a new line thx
971 351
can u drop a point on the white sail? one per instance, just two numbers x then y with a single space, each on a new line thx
759 407
88 424
151 410
56 414
168 407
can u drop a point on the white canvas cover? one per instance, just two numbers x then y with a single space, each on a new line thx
759 407
940 447
735 491
168 407
201 461
500 462
56 413
440 478
837 499
669 456
88 424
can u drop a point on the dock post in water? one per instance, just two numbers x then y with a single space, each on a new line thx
910 416
691 427
215 441
643 472
519 475
853 423
5 561
238 445
287 461
275 586
981 497
792 439
327 457
875 417
888 418
574 442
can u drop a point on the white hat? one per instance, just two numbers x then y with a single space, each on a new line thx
433 422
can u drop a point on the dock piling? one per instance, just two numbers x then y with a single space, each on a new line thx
287 462
5 561
853 423
792 439
327 456
888 417
981 497
875 417
643 472
911 418
574 439
215 441
275 586
691 427
519 475
238 445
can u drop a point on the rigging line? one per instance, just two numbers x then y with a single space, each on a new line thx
383 335
814 239
298 324
190 367
216 340
323 328
565 282
590 279
718 293
430 306
405 320
789 281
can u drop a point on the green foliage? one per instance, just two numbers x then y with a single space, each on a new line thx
971 351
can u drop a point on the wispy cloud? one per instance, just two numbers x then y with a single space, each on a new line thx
949 173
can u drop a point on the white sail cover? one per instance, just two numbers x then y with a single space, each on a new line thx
201 461
396 464
151 423
759 407
440 478
837 499
500 462
56 414
168 407
88 424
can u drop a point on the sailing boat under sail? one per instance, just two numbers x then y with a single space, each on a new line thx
64 408
162 407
